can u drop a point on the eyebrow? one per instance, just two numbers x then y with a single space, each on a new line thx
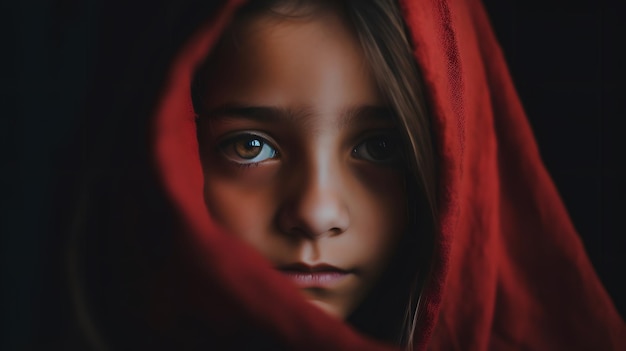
276 114
256 113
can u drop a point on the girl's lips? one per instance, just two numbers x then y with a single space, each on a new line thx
318 276
315 279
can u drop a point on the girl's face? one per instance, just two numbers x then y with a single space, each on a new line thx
299 155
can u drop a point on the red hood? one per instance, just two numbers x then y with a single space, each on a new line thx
510 271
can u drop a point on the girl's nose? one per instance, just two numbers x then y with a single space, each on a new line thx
316 205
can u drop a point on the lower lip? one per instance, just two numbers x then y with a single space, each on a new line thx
315 279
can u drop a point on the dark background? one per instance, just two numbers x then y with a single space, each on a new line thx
565 58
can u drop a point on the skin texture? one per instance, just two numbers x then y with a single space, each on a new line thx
298 153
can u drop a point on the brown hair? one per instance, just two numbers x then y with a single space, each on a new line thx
382 34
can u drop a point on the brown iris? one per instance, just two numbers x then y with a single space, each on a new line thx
248 147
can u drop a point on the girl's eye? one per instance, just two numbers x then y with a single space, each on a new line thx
248 149
379 149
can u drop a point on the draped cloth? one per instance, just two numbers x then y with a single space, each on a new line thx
509 271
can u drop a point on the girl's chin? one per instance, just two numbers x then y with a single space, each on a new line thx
330 309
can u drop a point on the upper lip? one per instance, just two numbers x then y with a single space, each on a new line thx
306 268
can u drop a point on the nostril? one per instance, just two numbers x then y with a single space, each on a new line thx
335 231
298 228
309 234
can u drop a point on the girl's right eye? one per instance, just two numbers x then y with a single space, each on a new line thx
248 149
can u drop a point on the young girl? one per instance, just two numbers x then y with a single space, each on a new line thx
329 194
317 151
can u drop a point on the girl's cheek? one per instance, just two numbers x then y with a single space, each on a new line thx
383 182
242 175
241 208
385 192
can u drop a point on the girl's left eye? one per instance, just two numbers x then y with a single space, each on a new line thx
378 149
248 149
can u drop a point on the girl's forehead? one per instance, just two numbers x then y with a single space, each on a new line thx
317 63
283 39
